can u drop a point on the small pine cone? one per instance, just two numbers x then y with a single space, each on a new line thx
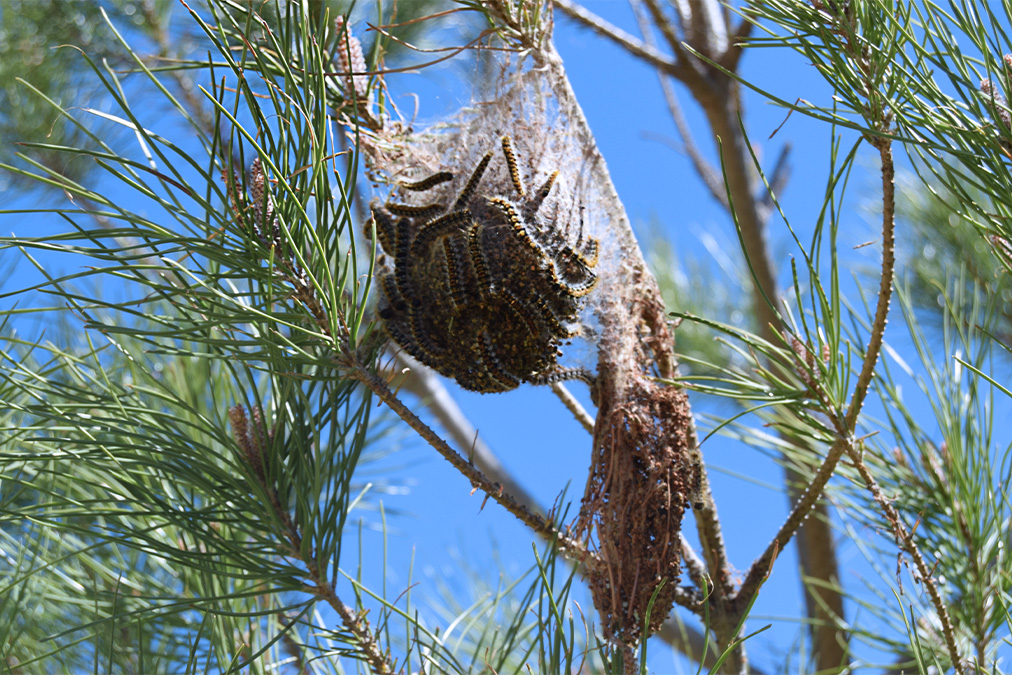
349 46
996 101
831 6
265 223
240 430
1001 246
256 192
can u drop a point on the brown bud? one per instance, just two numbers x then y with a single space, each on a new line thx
351 60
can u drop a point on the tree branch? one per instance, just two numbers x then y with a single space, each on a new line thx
885 283
906 542
719 96
573 405
251 449
359 627
428 387
732 57
779 177
846 426
663 24
536 522
802 508
432 393
707 173
623 39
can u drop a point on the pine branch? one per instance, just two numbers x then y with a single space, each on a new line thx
538 524
719 96
906 542
631 44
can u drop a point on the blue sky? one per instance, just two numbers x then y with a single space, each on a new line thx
529 429
438 522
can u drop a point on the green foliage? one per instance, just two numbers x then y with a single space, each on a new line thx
935 241
688 286
948 471
35 39
125 456
178 492
186 452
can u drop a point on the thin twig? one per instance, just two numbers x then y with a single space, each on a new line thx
630 43
905 539
568 400
779 177
845 433
184 82
294 545
735 46
291 645
885 283
663 23
709 175
661 343
359 627
537 523
424 383
844 441
692 562
719 96
711 536
757 571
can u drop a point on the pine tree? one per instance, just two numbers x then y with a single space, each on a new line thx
202 411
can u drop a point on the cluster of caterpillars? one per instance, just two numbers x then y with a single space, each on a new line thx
486 289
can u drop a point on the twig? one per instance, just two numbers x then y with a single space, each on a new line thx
711 536
719 96
735 45
779 177
631 44
667 29
801 510
427 386
845 432
904 538
885 283
906 542
251 450
291 645
709 175
478 480
692 562
568 400
359 627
